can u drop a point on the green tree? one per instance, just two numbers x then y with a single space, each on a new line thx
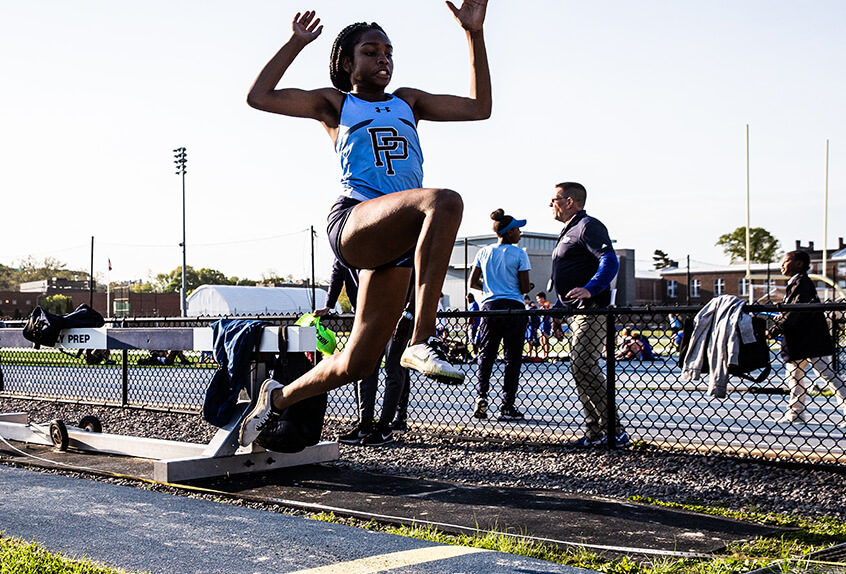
660 260
58 304
28 269
148 287
172 282
49 267
272 277
212 277
763 246
7 278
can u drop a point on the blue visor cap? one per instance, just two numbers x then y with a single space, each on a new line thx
514 223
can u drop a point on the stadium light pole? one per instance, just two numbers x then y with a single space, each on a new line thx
180 158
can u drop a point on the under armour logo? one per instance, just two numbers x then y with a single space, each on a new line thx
388 145
379 110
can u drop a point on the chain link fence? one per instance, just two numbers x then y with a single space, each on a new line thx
654 403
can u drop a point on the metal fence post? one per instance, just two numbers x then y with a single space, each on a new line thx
610 379
835 335
124 378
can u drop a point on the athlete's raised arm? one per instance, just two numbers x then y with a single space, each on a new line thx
477 106
321 104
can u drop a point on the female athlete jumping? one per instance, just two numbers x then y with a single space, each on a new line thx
384 223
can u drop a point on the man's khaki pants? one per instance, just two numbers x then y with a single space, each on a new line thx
587 344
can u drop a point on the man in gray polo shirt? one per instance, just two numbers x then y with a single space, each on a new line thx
583 266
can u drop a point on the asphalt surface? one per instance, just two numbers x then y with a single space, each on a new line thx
143 530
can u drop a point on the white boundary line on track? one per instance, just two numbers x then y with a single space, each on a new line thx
383 562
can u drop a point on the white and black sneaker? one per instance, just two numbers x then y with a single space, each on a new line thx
585 442
261 415
356 434
509 413
481 410
380 436
430 359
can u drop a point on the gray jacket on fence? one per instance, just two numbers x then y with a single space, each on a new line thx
718 331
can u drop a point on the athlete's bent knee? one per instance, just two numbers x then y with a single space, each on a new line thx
448 201
359 367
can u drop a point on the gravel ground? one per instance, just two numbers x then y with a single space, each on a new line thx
666 476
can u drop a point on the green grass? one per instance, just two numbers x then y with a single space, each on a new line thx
55 358
19 557
810 534
825 531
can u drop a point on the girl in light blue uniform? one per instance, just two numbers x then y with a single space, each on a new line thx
384 222
501 272
378 148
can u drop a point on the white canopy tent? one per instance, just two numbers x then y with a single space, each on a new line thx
217 300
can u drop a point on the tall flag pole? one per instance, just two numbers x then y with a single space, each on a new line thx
748 239
825 217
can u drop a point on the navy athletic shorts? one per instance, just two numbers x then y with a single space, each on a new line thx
335 223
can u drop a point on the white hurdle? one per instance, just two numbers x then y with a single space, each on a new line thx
173 461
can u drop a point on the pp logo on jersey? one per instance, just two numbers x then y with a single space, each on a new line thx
388 146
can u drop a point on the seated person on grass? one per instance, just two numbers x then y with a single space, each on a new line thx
164 358
631 348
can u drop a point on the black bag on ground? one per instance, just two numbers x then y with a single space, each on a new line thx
83 316
301 424
753 356
43 327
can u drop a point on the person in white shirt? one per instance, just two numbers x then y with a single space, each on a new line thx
501 272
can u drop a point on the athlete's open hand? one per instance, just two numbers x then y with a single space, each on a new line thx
471 15
306 27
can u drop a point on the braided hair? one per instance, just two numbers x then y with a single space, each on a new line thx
343 48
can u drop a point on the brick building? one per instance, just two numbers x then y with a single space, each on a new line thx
697 285
19 304
16 304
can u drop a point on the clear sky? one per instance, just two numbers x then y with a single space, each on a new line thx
646 103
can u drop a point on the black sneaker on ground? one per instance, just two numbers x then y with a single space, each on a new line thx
355 434
509 413
481 410
399 425
585 442
381 435
621 440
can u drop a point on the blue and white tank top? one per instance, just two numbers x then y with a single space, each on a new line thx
378 148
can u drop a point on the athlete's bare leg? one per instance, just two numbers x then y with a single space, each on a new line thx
381 298
377 232
380 230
